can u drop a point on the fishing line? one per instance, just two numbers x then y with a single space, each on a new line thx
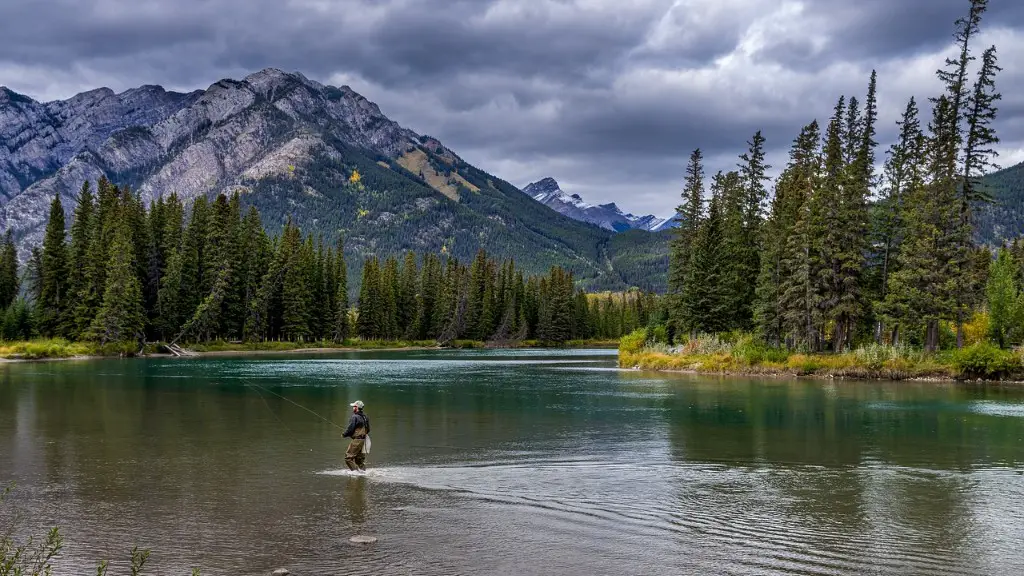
274 414
329 421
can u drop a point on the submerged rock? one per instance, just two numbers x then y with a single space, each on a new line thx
281 572
363 539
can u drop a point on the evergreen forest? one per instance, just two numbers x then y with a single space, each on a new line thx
128 273
841 255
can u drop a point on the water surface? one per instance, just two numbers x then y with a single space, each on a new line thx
502 462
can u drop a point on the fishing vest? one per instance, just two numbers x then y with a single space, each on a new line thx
360 432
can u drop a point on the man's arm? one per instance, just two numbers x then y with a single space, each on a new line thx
351 427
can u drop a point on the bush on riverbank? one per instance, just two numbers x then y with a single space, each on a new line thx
744 354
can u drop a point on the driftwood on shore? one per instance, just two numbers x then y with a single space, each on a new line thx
178 351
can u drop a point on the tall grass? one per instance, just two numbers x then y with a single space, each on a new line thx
745 354
49 348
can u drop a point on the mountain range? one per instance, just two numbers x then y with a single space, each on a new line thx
607 216
292 147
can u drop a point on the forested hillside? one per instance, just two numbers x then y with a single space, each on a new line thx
1002 219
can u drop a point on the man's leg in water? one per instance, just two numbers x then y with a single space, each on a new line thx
354 455
361 460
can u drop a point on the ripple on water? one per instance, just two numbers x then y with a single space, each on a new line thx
742 511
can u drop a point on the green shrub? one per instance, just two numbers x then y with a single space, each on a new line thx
633 342
752 351
658 334
985 360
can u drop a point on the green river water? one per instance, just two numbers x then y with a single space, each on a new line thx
510 462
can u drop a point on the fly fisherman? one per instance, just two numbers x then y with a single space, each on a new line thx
358 428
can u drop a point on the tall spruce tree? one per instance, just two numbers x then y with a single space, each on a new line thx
734 281
54 303
792 191
799 265
705 301
680 251
747 251
295 287
10 281
341 323
903 172
121 317
406 299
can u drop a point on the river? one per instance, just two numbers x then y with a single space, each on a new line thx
510 462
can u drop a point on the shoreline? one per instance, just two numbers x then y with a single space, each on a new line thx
242 350
720 365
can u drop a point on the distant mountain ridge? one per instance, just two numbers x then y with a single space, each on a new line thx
607 216
323 156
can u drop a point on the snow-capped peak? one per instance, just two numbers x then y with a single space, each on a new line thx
609 216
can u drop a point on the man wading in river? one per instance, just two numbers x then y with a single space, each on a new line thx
358 428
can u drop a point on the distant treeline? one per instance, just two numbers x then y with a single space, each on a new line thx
131 273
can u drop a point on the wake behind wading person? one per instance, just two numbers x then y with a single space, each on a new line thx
358 428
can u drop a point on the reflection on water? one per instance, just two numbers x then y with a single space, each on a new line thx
496 462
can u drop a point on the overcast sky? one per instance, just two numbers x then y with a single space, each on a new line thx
607 96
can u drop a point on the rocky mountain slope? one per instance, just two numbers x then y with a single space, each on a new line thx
324 156
607 216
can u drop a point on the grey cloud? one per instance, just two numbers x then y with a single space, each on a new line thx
524 88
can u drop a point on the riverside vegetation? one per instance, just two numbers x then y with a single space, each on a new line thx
856 274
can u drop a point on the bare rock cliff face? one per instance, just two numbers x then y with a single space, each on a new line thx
323 157
159 141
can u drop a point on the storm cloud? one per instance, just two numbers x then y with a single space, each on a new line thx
608 97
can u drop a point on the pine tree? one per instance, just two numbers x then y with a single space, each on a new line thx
903 172
101 236
294 288
705 300
170 306
81 231
923 289
389 283
121 317
254 254
341 323
430 296
406 300
792 191
10 282
800 262
734 279
744 239
370 306
54 298
680 251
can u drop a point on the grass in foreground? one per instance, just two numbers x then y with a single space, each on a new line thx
745 355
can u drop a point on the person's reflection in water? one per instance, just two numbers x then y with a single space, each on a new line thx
355 499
